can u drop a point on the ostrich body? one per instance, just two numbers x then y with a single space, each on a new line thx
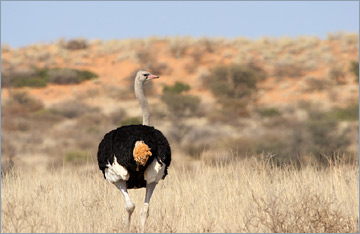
135 156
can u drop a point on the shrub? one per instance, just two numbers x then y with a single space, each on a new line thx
69 76
337 74
311 211
22 78
234 85
177 88
269 112
41 77
354 68
234 81
20 103
320 135
63 76
349 113
325 136
76 44
179 104
34 81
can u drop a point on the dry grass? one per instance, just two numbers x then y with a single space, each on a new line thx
216 194
247 195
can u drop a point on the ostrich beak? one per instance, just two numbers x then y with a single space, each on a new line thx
150 77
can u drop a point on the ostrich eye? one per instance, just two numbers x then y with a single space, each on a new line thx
146 74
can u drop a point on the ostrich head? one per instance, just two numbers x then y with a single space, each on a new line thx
140 79
144 76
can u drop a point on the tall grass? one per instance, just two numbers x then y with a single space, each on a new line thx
247 195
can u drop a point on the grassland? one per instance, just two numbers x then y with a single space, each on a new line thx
232 195
295 99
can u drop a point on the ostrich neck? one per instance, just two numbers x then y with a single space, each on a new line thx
139 93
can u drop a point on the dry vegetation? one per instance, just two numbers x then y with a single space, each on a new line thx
232 195
295 99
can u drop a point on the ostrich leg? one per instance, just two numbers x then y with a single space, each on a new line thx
152 175
130 206
144 213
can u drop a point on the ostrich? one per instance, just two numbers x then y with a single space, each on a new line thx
135 156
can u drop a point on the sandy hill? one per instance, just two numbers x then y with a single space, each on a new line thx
302 76
304 68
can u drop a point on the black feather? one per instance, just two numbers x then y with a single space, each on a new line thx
121 141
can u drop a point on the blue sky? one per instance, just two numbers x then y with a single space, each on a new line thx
23 23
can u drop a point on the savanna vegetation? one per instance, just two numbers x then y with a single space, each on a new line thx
218 194
264 133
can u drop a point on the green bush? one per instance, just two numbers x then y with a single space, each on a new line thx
86 75
354 68
234 81
349 113
178 103
319 135
41 77
181 104
33 81
177 88
69 76
269 112
324 134
27 78
233 86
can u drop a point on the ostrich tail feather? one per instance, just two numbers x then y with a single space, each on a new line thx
141 153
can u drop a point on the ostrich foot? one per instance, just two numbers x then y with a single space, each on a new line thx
130 207
144 214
